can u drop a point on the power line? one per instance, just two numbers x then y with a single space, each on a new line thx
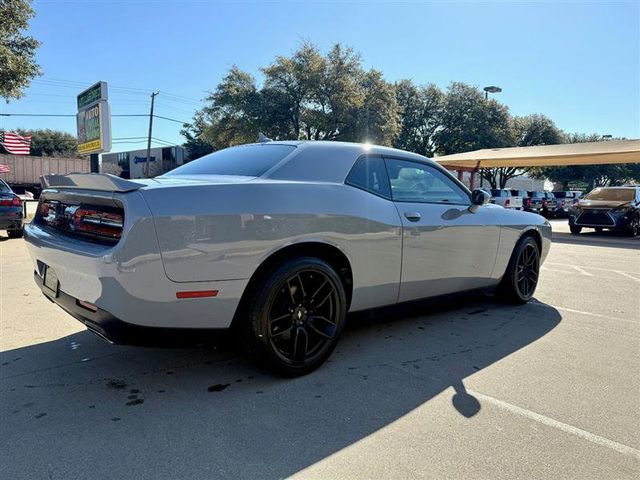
59 82
73 115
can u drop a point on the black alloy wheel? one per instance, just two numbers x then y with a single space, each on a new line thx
298 315
527 270
521 278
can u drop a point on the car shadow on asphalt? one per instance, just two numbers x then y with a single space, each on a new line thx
77 405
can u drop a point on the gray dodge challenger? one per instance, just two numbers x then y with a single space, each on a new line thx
276 241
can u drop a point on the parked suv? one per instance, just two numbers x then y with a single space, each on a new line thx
543 203
565 200
524 195
11 218
614 208
504 198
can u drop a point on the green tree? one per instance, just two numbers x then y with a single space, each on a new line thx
469 122
419 109
378 115
17 51
527 131
51 143
306 96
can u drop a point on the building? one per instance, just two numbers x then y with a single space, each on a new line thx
132 164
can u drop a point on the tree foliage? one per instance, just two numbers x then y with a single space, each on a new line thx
17 50
309 95
526 131
419 111
51 143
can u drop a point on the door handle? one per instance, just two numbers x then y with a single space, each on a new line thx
412 216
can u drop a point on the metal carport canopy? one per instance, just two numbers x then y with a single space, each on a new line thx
592 153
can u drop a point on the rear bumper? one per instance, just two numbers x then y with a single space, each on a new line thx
115 330
127 283
11 220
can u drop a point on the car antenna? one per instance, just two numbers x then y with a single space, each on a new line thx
262 138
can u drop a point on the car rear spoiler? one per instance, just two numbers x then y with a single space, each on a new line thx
90 181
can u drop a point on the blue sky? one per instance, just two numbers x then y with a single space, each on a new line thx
577 62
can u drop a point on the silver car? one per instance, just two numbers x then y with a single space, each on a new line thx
277 241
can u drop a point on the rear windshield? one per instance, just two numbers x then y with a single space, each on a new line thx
562 194
246 160
498 193
4 187
616 194
537 194
519 193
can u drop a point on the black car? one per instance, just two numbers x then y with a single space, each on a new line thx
11 217
614 208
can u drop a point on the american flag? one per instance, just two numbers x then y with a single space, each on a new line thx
16 144
4 168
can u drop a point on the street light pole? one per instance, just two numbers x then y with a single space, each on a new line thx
491 89
487 91
153 97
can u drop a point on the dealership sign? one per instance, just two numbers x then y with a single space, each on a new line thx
94 120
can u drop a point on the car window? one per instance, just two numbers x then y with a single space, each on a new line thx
415 182
246 160
496 193
4 187
370 174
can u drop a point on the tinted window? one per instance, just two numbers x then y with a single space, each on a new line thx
562 195
415 182
615 194
4 187
370 174
536 194
519 193
247 160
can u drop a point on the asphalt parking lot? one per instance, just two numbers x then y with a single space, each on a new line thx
462 388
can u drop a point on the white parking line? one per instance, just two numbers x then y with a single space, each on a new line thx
591 437
580 312
582 270
625 274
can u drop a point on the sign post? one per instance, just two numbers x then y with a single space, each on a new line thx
94 120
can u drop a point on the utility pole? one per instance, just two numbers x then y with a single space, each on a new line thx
148 170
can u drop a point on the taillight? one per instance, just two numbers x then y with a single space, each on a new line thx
507 202
564 203
544 203
99 223
13 201
527 202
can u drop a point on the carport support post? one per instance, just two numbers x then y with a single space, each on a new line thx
94 163
472 179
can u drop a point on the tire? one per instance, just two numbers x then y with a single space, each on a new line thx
634 226
296 316
575 230
15 233
521 278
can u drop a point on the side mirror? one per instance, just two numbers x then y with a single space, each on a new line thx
480 197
